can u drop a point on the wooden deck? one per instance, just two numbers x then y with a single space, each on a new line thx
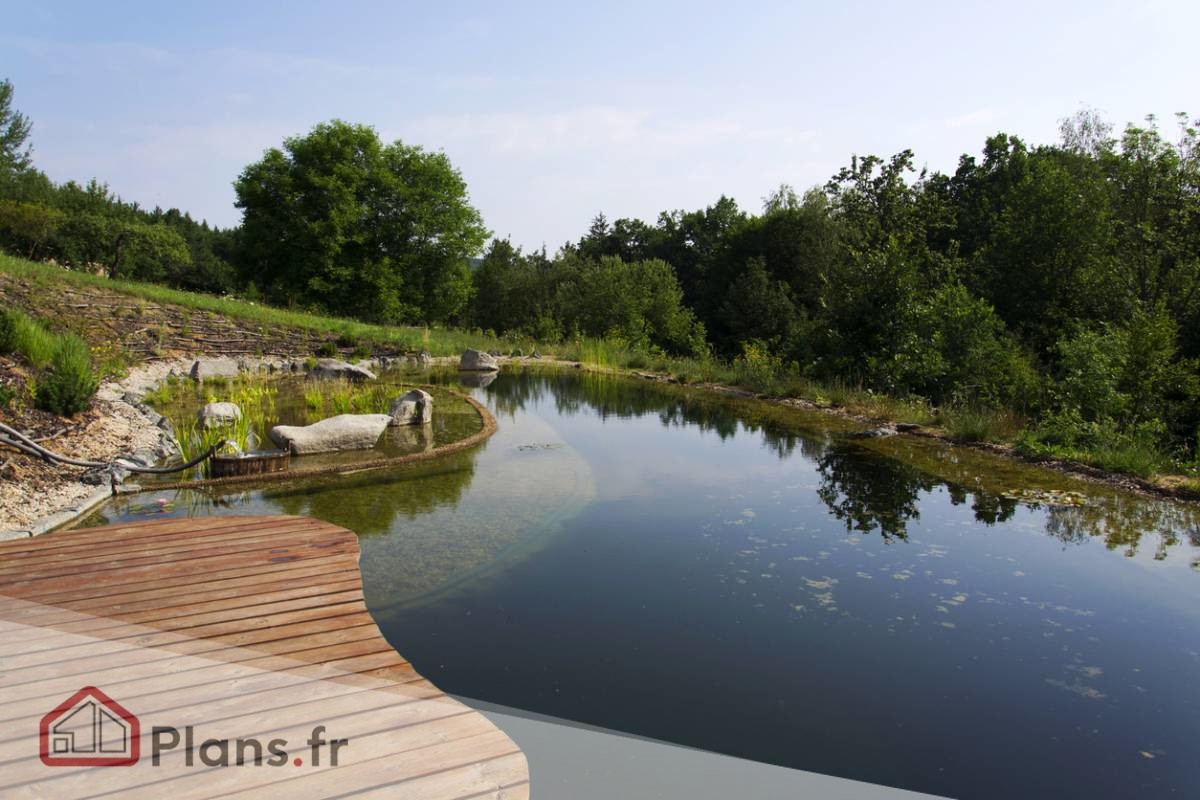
275 594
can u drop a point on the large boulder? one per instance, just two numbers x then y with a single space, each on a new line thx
414 408
332 369
219 415
206 368
478 361
343 432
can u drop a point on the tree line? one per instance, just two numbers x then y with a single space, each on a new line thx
1061 281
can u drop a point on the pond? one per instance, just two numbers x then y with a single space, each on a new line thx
757 581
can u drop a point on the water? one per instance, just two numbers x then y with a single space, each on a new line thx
753 580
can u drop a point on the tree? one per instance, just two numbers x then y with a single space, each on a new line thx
28 225
338 221
759 308
15 155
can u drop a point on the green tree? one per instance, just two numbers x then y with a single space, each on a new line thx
336 220
26 227
15 154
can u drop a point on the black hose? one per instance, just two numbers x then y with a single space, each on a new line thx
27 445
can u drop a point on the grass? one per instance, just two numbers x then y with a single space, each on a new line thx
25 337
437 341
66 379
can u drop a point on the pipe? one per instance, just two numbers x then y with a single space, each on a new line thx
25 444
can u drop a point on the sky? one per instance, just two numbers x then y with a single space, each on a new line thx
556 111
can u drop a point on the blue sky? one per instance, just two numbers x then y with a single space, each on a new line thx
554 111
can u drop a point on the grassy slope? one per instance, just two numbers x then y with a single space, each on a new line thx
968 425
436 340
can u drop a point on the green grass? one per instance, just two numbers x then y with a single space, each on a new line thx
437 341
28 339
980 424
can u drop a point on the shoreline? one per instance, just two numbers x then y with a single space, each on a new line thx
75 498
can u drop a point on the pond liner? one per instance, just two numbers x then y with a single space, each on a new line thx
480 436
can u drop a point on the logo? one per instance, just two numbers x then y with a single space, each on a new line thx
89 729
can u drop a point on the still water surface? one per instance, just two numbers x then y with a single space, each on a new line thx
756 581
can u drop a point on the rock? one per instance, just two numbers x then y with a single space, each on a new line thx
907 427
104 476
874 433
477 361
494 353
424 359
218 415
414 408
343 432
206 368
332 369
535 354
518 353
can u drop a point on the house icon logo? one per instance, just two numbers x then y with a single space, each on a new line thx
89 729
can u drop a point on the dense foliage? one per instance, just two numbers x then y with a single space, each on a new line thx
1060 282
341 222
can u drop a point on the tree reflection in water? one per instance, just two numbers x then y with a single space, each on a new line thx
870 484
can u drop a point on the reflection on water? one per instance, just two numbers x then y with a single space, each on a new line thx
751 579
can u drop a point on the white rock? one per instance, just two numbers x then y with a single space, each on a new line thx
343 432
218 415
332 369
478 361
414 408
214 368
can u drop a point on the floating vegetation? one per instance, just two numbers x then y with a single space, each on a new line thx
1060 498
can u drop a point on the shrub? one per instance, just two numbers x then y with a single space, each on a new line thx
757 368
327 350
8 332
69 386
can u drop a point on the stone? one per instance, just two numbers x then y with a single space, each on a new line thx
874 433
477 361
424 359
206 368
414 408
343 432
333 369
218 415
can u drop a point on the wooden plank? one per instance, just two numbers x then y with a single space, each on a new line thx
27 562
173 610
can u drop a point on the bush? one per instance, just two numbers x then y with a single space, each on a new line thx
327 350
1137 449
757 368
69 386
